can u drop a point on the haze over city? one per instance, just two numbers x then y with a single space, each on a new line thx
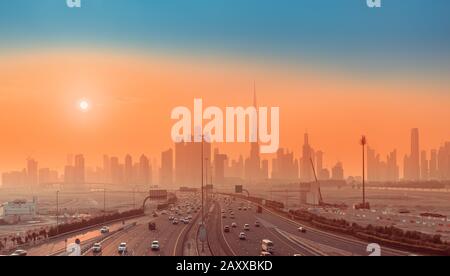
330 125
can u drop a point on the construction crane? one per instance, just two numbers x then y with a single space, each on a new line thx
318 183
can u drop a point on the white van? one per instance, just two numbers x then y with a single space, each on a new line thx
268 246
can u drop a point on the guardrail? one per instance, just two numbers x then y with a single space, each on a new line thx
87 245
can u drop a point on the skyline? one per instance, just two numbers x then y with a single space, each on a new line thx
179 166
326 103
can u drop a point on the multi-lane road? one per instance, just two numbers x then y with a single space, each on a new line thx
285 234
221 211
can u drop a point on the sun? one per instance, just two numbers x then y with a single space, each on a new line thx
84 105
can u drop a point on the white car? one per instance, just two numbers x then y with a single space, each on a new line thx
155 245
247 227
175 221
301 230
234 225
123 248
104 230
97 247
242 236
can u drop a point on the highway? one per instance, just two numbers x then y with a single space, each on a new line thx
182 239
57 245
284 233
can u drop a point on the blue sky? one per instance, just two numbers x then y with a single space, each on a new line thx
402 32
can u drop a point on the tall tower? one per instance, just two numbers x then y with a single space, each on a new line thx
415 155
253 163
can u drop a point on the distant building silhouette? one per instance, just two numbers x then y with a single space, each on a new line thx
166 171
412 162
306 170
285 166
338 172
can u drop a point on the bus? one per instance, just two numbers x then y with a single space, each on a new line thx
267 246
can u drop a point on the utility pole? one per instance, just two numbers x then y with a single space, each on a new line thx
104 203
57 212
363 144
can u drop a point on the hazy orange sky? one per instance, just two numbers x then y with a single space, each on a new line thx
132 96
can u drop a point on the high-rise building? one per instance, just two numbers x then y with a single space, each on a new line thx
107 169
116 171
415 165
166 172
145 175
338 172
32 173
79 170
433 165
128 170
381 171
219 167
188 162
443 160
424 168
284 166
306 170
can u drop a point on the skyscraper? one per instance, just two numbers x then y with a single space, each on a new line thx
433 165
424 169
337 172
144 171
166 172
415 158
128 170
306 170
79 170
32 173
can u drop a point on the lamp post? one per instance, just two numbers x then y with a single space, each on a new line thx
57 212
363 143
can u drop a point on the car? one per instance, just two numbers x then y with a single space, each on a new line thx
232 216
265 254
226 229
155 245
186 221
224 216
122 248
104 230
239 208
242 236
247 227
97 247
234 225
245 209
19 253
257 224
301 230
175 221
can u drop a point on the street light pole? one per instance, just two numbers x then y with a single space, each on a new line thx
203 207
104 203
57 212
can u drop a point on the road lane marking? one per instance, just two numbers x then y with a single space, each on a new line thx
223 235
342 239
178 239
